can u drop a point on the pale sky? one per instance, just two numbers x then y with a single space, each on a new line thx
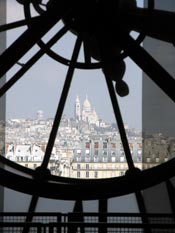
40 87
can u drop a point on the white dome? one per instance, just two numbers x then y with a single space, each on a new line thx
86 105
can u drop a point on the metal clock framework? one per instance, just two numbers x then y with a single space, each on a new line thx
102 31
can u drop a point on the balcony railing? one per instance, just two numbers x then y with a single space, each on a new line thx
86 223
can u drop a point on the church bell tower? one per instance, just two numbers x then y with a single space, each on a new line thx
77 111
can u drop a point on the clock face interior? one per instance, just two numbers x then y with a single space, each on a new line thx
85 103
88 143
74 91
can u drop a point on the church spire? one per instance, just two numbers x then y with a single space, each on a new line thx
77 100
77 109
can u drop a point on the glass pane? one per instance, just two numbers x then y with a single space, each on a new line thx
158 108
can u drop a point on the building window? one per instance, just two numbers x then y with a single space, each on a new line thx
113 159
157 160
87 152
105 152
139 159
104 174
78 166
104 144
122 173
148 160
113 153
34 165
26 165
122 159
87 166
95 159
78 159
121 152
96 152
139 152
87 159
96 145
95 174
87 174
95 166
79 152
78 174
87 145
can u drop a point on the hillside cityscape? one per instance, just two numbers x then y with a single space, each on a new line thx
85 146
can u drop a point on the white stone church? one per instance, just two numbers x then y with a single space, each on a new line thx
85 112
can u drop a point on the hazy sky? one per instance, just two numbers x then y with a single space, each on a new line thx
40 87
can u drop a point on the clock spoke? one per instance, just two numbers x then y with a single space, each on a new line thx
38 7
29 38
32 61
17 24
61 104
149 65
119 121
87 55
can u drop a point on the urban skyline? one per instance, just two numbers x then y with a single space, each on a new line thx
70 113
83 149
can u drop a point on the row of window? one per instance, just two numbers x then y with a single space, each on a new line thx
105 152
105 159
34 165
106 145
25 158
96 174
157 160
103 167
